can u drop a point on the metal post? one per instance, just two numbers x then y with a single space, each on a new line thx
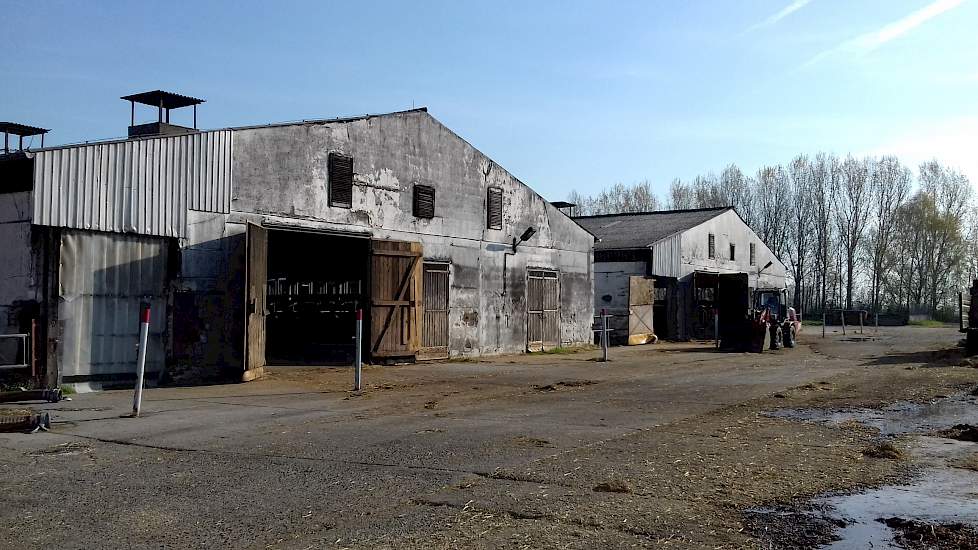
137 400
861 321
842 313
358 364
34 350
716 327
604 335
823 321
877 322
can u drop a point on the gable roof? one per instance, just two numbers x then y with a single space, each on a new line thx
642 229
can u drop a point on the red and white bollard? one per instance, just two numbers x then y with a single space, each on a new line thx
357 365
137 400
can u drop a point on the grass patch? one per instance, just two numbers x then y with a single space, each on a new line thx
67 390
811 322
927 323
560 350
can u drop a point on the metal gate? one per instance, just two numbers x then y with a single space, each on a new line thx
434 330
395 272
543 310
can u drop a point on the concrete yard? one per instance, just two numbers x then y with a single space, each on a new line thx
668 445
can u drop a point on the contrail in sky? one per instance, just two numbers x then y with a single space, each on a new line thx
788 10
872 40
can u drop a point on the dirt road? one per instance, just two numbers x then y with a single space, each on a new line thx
668 445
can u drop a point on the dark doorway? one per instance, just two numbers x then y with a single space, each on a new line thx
315 284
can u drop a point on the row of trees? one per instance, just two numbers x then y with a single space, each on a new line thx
854 232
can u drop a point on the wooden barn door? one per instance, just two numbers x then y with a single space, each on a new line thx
543 313
641 301
395 299
256 285
434 329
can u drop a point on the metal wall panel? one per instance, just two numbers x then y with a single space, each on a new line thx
103 279
667 257
138 186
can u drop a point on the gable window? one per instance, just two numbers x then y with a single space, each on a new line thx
424 201
340 168
711 249
753 254
733 252
494 208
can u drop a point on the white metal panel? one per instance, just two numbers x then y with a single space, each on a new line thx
140 186
103 279
667 257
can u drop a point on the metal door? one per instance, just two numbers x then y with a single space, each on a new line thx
543 310
395 292
434 329
256 286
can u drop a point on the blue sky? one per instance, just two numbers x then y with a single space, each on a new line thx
565 95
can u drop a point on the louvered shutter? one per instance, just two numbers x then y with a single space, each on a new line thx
494 208
424 201
340 180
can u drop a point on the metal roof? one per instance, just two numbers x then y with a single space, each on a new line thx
21 129
160 98
643 229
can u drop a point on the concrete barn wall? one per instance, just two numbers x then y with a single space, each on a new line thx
19 285
280 176
729 228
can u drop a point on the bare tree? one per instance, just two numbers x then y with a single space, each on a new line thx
800 224
889 188
851 210
681 196
738 192
821 170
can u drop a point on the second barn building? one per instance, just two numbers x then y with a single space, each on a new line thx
689 256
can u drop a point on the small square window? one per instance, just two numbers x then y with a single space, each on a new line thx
340 168
424 201
494 208
712 247
733 252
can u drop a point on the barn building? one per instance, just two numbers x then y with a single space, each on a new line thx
689 255
256 245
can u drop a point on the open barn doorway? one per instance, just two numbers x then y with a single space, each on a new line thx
315 284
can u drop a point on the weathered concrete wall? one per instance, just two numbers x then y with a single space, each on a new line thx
611 284
729 228
19 284
280 176
207 321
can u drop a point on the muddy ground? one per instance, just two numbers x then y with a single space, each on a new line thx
668 445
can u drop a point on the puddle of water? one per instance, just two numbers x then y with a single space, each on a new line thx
899 418
939 494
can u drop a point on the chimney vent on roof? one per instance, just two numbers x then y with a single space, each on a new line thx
164 102
21 131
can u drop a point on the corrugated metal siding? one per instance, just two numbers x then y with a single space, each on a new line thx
103 279
667 257
139 186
